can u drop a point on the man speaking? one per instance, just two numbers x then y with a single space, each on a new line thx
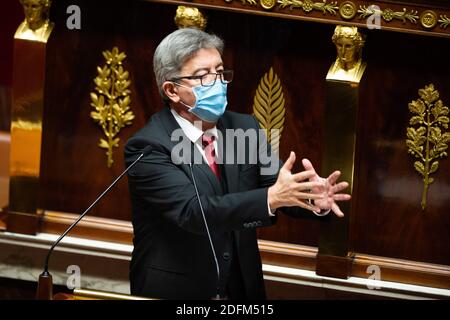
195 212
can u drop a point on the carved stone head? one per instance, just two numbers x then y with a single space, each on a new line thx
36 12
349 43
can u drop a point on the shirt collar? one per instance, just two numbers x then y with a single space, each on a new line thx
192 132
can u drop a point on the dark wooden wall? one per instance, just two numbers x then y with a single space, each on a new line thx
387 218
12 15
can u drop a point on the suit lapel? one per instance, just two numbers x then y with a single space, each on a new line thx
231 170
206 170
170 124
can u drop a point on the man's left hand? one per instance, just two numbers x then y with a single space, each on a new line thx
329 189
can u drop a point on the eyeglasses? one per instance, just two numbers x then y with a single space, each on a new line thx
209 79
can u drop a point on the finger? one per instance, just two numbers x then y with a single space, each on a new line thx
308 165
289 162
301 186
339 187
307 206
307 195
332 178
342 197
335 208
300 176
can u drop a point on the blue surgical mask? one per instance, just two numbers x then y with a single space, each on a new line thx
210 102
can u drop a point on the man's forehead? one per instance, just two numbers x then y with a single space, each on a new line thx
203 58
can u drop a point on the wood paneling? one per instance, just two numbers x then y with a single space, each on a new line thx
388 220
95 228
74 169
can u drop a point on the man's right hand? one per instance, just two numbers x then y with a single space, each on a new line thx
293 189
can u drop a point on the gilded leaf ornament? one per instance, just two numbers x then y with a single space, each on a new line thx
426 137
444 21
268 107
250 2
111 100
309 5
388 14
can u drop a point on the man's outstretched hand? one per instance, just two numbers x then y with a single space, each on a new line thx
328 188
306 189
294 189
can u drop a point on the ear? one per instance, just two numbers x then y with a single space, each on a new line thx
171 91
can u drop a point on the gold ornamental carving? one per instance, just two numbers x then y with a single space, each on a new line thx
428 19
426 137
37 25
187 17
268 107
347 10
444 21
111 100
388 14
348 66
309 5
267 4
250 2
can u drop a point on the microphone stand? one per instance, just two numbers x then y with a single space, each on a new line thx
45 282
217 296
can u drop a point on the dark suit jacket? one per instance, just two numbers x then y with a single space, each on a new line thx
172 258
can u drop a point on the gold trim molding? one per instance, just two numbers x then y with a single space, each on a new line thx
428 142
388 14
244 2
308 6
444 21
111 100
401 17
347 10
267 4
268 107
428 19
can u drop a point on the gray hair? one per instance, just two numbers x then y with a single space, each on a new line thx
176 48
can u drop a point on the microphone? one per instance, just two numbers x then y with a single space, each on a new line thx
217 297
45 283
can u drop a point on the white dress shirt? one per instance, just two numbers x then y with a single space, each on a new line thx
194 133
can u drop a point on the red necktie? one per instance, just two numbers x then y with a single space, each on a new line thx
210 153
